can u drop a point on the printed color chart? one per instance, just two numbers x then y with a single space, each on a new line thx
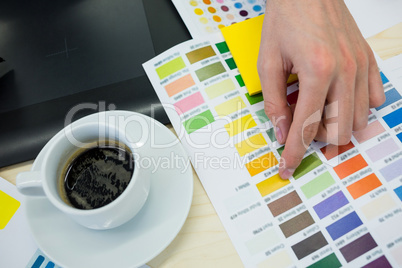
203 17
341 208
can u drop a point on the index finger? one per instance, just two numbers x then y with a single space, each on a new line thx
306 121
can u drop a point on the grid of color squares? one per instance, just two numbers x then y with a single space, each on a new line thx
336 230
330 205
213 15
274 182
298 223
352 165
384 148
183 84
181 88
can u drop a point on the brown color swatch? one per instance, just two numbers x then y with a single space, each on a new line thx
284 203
296 224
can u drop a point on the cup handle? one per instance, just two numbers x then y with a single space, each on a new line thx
30 183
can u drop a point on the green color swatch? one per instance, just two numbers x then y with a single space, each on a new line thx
280 150
209 71
307 164
170 67
199 121
240 80
271 135
317 185
222 47
262 116
331 261
255 98
231 63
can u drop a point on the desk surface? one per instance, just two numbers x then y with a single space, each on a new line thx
203 241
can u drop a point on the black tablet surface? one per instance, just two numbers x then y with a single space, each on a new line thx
77 56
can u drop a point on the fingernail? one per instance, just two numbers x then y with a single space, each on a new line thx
287 173
278 134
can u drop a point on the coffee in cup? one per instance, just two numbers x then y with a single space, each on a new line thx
95 176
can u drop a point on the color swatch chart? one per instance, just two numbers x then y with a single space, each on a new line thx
343 205
203 17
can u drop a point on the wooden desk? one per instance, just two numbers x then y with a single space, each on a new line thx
203 242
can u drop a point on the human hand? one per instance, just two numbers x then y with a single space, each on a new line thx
338 75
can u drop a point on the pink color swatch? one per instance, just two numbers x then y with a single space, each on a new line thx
189 103
369 132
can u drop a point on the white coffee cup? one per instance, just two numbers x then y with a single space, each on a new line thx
59 151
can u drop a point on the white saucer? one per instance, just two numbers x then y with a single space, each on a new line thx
132 244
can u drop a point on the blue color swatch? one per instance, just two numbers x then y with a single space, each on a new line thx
384 79
38 262
331 204
393 119
344 225
391 96
398 192
399 136
50 265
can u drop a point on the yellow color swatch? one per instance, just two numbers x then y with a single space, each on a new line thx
243 39
8 207
230 106
240 125
261 163
251 144
271 184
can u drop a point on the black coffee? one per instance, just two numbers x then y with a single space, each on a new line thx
97 176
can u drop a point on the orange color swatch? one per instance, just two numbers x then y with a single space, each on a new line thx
350 166
364 186
179 85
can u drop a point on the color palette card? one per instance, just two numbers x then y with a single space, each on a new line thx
203 17
342 207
